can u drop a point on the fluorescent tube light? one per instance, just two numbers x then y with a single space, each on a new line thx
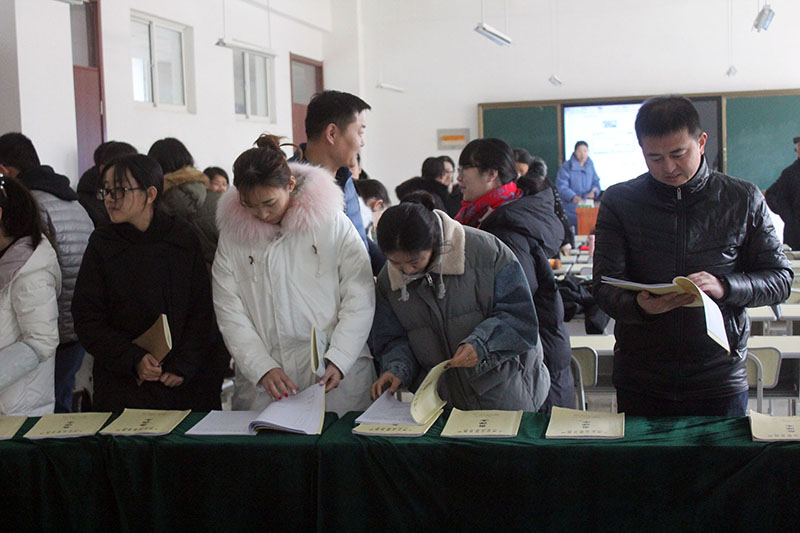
491 33
241 45
555 80
764 18
731 71
390 87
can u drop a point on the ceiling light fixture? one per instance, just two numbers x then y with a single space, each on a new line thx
555 80
390 87
492 33
764 18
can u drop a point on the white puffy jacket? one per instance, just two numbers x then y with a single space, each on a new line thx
273 282
30 281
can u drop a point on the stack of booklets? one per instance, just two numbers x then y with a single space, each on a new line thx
9 425
65 425
774 428
482 424
389 417
573 424
145 422
715 326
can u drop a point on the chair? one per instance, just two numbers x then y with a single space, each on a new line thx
584 371
794 296
763 370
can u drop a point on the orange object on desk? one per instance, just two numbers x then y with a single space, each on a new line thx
587 218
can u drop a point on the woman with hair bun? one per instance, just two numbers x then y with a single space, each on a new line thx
288 260
451 292
145 264
30 281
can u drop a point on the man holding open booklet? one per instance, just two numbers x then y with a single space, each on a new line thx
683 221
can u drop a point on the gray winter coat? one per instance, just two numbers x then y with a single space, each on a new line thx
485 302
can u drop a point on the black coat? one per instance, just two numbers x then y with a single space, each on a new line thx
783 197
650 232
530 227
127 279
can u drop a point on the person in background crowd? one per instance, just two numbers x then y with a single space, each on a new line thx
453 293
783 197
522 160
436 181
682 219
289 260
144 264
535 181
187 194
218 179
68 225
577 180
90 180
335 126
29 283
526 222
357 172
376 198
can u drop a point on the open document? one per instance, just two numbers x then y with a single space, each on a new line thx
302 413
225 423
715 326
388 416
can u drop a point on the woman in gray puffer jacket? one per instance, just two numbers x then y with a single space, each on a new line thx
450 292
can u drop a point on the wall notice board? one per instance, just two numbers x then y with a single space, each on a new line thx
757 130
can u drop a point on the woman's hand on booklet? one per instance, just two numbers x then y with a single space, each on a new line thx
148 368
171 380
332 377
653 304
277 384
387 378
709 284
465 356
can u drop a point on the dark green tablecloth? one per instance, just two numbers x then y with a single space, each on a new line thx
697 474
665 475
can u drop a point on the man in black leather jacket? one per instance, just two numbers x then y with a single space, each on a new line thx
682 219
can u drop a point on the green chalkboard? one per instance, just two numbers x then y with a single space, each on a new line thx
534 128
759 136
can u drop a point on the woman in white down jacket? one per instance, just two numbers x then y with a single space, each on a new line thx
29 284
289 259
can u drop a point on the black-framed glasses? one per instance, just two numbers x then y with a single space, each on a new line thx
116 193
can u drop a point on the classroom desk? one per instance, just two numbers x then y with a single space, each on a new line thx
667 474
670 474
761 314
789 346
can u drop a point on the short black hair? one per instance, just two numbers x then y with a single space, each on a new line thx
581 143
367 188
664 115
111 150
20 217
423 197
409 227
171 154
17 151
144 169
335 107
432 168
521 155
210 172
537 167
490 154
448 159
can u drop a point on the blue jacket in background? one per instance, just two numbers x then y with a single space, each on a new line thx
576 180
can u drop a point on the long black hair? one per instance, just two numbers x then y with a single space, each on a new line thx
409 227
20 216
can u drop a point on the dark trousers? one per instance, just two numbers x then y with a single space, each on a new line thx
69 357
635 404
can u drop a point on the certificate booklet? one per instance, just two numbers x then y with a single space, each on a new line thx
149 422
302 413
9 425
573 424
157 340
482 424
715 326
64 425
774 428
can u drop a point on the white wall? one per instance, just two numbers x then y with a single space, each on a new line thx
37 91
212 132
601 50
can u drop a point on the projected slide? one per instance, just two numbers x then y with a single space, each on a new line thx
612 140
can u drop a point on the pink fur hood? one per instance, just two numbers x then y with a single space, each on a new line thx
315 201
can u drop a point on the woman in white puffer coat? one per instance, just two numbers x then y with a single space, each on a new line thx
288 259
30 281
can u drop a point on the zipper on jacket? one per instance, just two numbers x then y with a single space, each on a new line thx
680 266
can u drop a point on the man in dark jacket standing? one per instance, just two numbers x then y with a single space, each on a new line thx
68 226
783 197
682 219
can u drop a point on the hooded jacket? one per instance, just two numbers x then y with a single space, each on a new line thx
187 197
127 280
29 283
476 293
273 282
530 227
69 226
650 232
